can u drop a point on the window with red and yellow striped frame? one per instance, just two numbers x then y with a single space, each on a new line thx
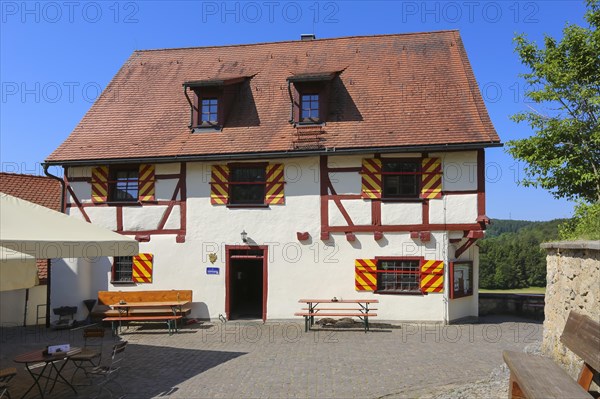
399 275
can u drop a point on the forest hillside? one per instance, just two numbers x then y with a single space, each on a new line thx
510 255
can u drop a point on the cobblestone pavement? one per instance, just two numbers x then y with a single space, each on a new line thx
279 360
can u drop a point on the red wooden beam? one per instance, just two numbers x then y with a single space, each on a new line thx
142 237
157 177
476 234
403 228
323 179
338 203
425 210
302 236
75 199
465 246
163 231
344 169
345 197
183 202
480 183
375 212
165 217
425 236
119 210
124 204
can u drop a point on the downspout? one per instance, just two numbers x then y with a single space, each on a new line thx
291 121
62 185
25 311
191 106
62 209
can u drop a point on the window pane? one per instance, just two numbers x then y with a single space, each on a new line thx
310 106
125 185
400 166
123 268
248 174
400 276
403 184
208 111
245 193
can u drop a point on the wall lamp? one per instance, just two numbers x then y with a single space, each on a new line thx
244 236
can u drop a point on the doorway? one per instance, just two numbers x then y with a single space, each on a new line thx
246 283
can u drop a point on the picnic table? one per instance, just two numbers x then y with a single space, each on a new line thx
329 310
125 307
176 306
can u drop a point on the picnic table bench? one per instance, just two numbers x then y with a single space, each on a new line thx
171 321
539 377
117 307
106 299
362 311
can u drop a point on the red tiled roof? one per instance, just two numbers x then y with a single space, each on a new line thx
395 90
41 190
42 266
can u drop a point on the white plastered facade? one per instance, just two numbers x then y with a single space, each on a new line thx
296 269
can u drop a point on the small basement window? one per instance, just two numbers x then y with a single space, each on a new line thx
247 185
398 276
401 178
124 184
122 271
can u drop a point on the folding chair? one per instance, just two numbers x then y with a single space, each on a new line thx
5 376
107 374
91 354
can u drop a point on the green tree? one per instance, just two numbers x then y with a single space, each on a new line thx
585 224
564 154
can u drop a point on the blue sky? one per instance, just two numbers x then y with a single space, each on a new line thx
56 56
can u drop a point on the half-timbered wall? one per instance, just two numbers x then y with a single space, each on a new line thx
341 227
164 215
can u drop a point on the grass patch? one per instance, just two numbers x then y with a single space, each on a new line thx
528 290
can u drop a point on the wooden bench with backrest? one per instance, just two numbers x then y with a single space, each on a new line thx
539 377
102 308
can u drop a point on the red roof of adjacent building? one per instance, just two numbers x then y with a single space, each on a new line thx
395 91
41 190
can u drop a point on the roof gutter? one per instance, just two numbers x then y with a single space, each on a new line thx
277 154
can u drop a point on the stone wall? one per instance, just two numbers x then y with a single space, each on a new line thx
573 273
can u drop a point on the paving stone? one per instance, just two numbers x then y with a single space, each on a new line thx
279 360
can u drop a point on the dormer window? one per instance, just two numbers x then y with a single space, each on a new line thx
309 94
211 101
310 108
208 111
